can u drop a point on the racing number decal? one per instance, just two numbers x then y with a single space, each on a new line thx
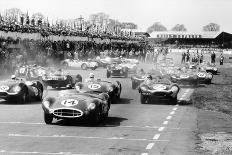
159 87
22 70
4 88
69 102
94 86
201 74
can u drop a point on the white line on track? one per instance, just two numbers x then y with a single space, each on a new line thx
169 117
172 113
78 137
161 129
165 122
131 126
156 136
149 146
174 109
144 153
35 152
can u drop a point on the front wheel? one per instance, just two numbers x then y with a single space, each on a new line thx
23 97
96 117
143 99
48 118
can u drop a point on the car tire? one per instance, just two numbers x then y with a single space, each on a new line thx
84 66
40 95
107 74
120 89
48 118
133 85
173 101
143 99
96 117
23 97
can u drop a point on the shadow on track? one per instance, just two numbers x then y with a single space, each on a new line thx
124 101
109 122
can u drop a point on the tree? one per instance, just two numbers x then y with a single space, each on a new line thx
179 27
13 14
157 26
99 18
211 27
38 16
129 25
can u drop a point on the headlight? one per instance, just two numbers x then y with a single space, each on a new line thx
17 89
46 104
111 89
91 106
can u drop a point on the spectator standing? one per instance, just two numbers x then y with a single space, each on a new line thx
187 56
201 58
221 59
183 57
213 57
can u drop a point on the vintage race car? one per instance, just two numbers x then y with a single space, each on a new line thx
158 89
117 69
132 67
210 68
131 61
28 72
20 90
139 78
191 77
59 78
112 89
70 104
79 64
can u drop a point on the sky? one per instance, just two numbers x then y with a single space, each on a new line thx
192 13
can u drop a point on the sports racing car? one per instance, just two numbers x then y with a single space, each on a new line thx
112 89
20 90
79 64
116 69
210 68
158 89
59 78
191 76
70 104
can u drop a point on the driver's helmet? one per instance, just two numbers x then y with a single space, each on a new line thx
13 77
149 77
91 75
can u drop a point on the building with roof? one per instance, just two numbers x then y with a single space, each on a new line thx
216 39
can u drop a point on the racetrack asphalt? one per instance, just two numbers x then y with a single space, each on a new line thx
132 128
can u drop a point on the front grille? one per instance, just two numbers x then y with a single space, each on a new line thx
68 113
3 94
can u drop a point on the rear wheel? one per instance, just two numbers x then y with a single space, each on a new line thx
23 97
173 100
48 118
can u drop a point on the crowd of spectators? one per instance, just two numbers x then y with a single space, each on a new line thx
46 52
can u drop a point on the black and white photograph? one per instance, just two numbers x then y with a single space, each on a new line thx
115 77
